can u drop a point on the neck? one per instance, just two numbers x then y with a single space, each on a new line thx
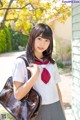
39 56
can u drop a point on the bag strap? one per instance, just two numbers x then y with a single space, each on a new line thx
26 63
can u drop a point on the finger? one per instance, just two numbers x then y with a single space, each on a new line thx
28 68
32 65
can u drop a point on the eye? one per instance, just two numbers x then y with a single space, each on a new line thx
39 38
47 40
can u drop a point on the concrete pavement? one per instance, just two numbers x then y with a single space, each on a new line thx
6 65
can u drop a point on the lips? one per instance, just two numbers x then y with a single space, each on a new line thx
40 48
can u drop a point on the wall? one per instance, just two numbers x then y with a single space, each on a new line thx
62 39
76 60
63 29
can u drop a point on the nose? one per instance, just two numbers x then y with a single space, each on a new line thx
42 43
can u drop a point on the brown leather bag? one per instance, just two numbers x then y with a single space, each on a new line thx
24 109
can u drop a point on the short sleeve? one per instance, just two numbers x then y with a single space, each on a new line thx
56 74
19 71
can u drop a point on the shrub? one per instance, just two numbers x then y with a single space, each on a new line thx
18 39
3 46
5 39
60 64
8 38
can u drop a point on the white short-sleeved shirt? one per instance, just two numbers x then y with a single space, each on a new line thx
48 91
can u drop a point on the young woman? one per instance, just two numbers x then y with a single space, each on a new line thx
44 74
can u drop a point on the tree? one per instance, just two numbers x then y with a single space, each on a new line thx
26 14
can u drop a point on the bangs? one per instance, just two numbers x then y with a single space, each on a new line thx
45 33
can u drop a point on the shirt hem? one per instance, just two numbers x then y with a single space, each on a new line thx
50 102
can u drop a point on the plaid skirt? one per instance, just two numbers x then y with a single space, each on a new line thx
51 112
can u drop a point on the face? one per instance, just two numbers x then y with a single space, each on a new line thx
41 44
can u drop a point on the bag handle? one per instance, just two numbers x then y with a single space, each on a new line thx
26 63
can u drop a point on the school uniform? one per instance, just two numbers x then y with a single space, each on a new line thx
51 107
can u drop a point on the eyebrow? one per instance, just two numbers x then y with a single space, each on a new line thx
40 36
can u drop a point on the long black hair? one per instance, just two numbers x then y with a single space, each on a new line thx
46 33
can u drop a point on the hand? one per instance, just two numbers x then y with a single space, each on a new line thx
34 69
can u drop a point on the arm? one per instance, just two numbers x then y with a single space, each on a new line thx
21 89
60 97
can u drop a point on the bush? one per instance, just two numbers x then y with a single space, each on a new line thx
3 46
60 64
8 38
18 39
5 39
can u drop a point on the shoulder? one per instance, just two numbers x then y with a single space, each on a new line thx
19 70
19 61
19 66
54 66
